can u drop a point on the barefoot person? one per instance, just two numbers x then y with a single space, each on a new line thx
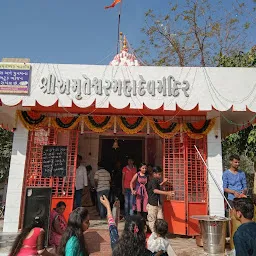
154 206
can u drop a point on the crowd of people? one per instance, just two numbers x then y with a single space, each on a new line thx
68 238
142 190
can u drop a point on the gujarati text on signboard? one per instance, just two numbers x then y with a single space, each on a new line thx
54 161
14 78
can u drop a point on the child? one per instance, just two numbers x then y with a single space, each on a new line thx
245 236
158 242
154 191
140 191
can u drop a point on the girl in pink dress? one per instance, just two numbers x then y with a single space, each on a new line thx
31 241
140 191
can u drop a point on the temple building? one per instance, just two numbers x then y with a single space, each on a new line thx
160 115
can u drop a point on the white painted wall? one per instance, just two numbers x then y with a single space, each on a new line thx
88 148
216 201
203 83
15 181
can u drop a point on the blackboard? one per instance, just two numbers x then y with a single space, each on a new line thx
54 161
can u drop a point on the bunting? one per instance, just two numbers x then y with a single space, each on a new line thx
130 125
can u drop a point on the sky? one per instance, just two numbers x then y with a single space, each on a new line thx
65 31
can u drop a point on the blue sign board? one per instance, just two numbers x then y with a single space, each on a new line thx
14 78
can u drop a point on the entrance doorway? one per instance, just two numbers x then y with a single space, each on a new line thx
127 147
188 177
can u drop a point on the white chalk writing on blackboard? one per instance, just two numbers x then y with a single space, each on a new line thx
54 161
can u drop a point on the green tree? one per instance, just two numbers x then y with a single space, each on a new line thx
196 32
239 59
244 141
6 138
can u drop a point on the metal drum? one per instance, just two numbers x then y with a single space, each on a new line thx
213 231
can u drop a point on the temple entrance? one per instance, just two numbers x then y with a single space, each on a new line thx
127 147
188 178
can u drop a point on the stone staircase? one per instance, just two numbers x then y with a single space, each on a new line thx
7 239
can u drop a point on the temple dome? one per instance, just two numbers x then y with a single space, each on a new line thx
124 58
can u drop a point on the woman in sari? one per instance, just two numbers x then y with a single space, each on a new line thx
58 224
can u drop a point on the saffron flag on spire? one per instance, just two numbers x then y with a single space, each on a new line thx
113 4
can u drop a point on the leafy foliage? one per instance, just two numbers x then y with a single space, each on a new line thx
6 138
239 60
194 33
244 141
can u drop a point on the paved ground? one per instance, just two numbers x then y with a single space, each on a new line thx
98 241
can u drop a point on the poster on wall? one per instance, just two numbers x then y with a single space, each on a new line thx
14 78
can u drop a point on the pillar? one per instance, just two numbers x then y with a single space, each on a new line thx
216 201
15 180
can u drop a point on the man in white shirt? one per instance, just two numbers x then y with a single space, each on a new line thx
102 180
81 181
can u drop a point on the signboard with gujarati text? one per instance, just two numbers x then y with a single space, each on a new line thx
14 78
54 161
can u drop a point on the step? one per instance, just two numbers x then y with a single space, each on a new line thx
7 239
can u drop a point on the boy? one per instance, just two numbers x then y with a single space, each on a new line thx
128 172
245 236
154 206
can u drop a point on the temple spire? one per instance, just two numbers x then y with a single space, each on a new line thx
124 58
125 47
121 41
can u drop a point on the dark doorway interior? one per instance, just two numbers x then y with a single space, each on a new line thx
127 147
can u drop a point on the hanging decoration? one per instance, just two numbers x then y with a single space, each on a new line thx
164 129
148 127
99 123
115 144
199 129
82 125
131 125
32 120
115 128
66 122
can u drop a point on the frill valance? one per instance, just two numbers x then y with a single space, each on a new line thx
130 125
